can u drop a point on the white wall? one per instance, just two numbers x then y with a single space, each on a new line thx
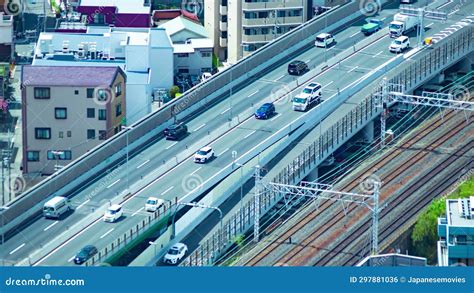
6 32
137 58
194 62
138 102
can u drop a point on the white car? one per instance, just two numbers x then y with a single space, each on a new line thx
175 253
153 203
400 44
113 213
205 76
309 95
324 40
204 155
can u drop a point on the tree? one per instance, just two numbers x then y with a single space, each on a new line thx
173 91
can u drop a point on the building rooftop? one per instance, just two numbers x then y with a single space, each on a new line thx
182 23
455 215
123 6
168 14
191 45
80 76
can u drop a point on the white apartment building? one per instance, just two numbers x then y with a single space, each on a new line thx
239 27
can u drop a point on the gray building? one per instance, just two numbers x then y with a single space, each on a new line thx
67 111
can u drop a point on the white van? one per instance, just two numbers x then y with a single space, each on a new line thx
56 206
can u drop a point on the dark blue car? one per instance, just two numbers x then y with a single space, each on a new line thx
265 111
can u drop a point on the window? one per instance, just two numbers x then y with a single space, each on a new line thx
90 93
90 133
76 92
59 155
42 93
69 134
206 69
43 133
183 70
90 113
263 14
118 109
206 54
224 34
60 113
102 134
183 55
33 156
102 114
61 134
224 18
118 89
265 30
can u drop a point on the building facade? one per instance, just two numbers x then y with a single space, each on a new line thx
239 28
6 37
67 111
456 233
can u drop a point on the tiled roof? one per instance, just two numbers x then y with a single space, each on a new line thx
80 76
173 13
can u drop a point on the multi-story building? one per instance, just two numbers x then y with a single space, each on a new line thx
144 54
67 111
238 28
456 233
6 37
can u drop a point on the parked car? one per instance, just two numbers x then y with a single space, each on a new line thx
175 253
373 25
310 95
324 40
176 131
400 44
204 155
297 68
265 111
153 203
84 254
113 213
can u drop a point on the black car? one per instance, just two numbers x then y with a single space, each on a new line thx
86 252
176 131
297 67
265 111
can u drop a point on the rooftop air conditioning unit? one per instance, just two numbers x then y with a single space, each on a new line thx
65 47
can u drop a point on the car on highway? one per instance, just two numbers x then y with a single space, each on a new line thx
205 76
265 111
175 253
153 203
297 67
372 26
324 40
310 95
55 207
113 213
400 44
204 155
84 254
176 131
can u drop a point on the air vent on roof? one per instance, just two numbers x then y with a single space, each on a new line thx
465 208
65 47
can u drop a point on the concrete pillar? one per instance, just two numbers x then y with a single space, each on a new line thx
313 175
368 132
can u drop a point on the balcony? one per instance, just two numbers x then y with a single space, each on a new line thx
296 20
223 10
259 38
222 42
222 26
272 5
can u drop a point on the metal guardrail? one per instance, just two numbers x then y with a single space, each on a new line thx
98 160
410 74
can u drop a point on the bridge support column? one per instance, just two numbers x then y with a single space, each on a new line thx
313 175
368 132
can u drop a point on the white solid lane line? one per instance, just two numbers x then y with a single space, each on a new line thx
171 145
82 204
252 94
278 115
16 249
225 111
354 34
199 127
250 133
69 260
143 164
139 210
377 54
113 183
167 190
47 228
430 24
353 68
280 77
327 84
195 171
222 152
107 233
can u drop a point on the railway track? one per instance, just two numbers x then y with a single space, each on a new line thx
274 244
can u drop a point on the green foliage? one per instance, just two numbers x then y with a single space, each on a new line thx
215 61
173 91
239 240
425 232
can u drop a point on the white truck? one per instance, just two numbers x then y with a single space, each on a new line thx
402 24
309 95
